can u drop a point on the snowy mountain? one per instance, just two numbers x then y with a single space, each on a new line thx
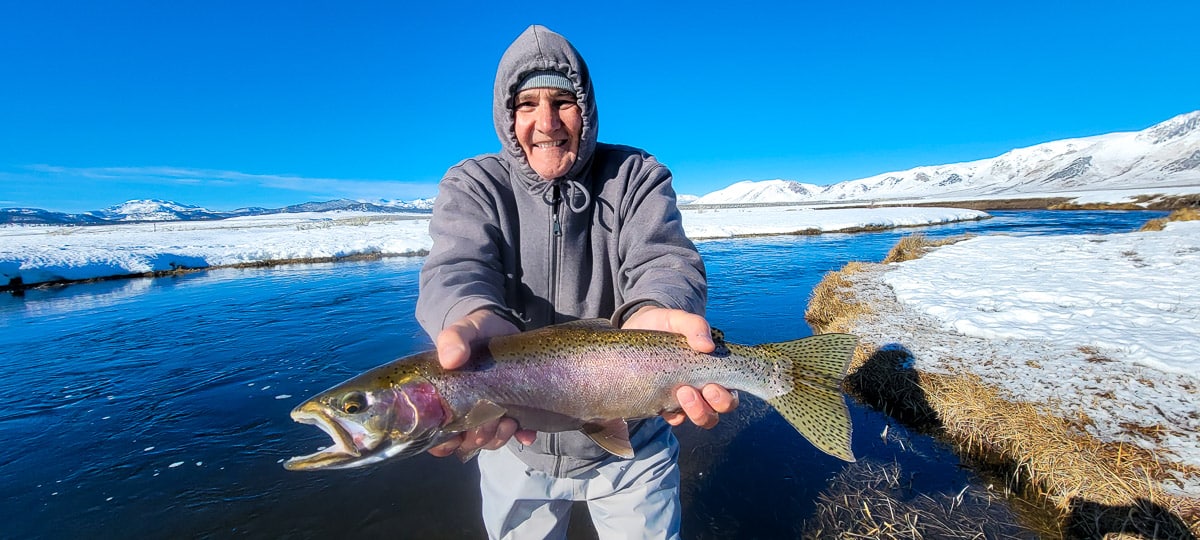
1164 156
776 191
155 210
418 205
35 216
158 210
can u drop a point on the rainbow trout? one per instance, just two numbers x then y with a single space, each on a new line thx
584 376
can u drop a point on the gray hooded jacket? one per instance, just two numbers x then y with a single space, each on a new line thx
603 239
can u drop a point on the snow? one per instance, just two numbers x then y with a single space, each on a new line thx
706 223
774 191
40 254
1101 325
1143 280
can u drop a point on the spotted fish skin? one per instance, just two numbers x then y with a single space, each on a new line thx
585 376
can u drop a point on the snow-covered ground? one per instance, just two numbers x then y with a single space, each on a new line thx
1108 325
702 223
39 254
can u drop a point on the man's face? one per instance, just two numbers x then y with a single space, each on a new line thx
548 122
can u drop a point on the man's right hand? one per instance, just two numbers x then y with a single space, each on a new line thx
454 345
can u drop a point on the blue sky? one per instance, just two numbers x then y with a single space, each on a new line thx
233 104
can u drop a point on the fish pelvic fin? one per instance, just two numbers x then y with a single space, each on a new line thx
482 412
611 435
815 405
467 456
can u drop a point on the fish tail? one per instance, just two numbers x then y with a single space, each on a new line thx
815 406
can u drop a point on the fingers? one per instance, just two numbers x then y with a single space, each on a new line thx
446 448
695 407
452 349
675 418
691 326
489 436
701 341
702 407
525 436
721 400
454 342
695 328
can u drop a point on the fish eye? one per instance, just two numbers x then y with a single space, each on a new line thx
354 403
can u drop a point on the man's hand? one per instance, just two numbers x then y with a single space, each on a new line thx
702 407
454 351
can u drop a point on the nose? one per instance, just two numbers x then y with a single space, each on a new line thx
548 119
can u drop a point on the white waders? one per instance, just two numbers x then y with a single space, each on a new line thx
637 498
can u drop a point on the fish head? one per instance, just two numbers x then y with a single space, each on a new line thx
371 419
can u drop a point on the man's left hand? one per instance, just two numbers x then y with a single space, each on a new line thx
701 406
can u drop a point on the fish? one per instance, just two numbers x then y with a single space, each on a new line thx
584 375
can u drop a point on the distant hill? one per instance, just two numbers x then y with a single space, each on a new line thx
158 210
1163 156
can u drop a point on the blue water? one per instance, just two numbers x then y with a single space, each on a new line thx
159 407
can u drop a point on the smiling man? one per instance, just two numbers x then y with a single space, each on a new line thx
559 227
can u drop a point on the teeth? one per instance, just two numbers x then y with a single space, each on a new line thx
550 144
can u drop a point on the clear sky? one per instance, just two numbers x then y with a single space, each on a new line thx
227 104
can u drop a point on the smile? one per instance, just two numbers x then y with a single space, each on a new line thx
550 144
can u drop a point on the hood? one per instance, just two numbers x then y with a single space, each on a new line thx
538 48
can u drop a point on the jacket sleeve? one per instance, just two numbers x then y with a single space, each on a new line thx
463 271
659 265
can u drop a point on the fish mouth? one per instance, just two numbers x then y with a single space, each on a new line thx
346 451
342 453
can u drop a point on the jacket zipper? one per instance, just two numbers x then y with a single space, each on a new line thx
555 241
555 248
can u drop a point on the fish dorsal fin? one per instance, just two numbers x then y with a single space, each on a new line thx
587 324
611 435
718 337
483 412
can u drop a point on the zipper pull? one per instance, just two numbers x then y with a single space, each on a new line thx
557 226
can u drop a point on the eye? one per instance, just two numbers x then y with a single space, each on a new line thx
354 403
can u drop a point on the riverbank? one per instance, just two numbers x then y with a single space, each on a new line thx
1067 364
40 256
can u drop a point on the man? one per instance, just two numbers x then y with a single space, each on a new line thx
554 228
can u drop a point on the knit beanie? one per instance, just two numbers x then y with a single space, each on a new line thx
546 79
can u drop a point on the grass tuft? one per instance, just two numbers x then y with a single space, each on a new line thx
831 305
1182 214
914 246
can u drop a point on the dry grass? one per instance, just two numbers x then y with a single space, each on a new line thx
1140 202
1096 487
831 305
869 500
916 245
1183 214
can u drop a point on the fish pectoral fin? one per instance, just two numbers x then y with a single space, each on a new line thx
483 412
611 435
